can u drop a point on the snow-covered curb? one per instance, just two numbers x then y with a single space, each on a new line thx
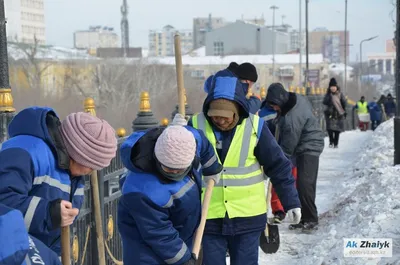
369 205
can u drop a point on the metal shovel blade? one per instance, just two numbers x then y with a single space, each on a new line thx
269 241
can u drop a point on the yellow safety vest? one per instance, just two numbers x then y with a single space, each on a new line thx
241 189
362 108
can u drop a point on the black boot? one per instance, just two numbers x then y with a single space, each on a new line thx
310 226
296 226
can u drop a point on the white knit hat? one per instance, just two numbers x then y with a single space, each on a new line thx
175 147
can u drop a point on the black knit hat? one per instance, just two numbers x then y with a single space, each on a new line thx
233 67
277 95
247 71
332 82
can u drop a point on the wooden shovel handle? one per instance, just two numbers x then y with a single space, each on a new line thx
65 246
200 230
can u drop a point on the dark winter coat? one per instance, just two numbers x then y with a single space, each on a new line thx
34 174
390 107
157 218
300 131
374 111
334 121
267 152
17 246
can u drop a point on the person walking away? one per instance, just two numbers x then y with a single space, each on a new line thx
390 106
42 165
17 246
160 207
335 112
381 104
375 114
363 114
244 144
301 138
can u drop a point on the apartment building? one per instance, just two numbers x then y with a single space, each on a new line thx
330 43
202 25
96 37
161 42
25 21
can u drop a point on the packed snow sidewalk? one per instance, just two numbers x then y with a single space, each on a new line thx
357 196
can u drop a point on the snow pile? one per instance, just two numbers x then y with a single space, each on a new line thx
368 207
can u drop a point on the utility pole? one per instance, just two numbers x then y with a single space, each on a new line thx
300 47
397 118
345 48
307 51
125 28
273 41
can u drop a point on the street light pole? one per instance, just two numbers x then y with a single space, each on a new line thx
306 73
361 64
397 118
300 47
345 47
273 41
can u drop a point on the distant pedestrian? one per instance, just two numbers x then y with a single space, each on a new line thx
390 106
335 112
375 114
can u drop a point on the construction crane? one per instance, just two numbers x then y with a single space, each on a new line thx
124 28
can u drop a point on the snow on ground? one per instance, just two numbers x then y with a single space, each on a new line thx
358 195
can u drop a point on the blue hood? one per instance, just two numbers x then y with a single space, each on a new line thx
230 88
32 121
126 150
207 84
14 239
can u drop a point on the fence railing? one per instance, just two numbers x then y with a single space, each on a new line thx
83 231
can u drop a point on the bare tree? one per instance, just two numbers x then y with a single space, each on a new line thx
33 67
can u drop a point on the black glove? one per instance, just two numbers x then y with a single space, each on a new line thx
345 115
192 261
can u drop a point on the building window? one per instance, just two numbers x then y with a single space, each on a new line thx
197 74
218 48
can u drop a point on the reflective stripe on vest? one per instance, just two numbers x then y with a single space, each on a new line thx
241 190
362 107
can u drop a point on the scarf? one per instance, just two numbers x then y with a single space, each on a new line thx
336 103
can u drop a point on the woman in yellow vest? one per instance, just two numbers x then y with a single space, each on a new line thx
244 144
363 114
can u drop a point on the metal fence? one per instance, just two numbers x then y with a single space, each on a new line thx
83 232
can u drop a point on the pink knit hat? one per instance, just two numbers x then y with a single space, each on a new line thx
89 140
175 147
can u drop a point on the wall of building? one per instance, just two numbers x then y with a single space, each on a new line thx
25 21
245 38
202 25
96 39
380 63
162 43
320 40
32 21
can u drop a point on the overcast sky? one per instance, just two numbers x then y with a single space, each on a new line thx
366 18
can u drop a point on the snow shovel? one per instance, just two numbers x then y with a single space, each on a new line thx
200 230
269 238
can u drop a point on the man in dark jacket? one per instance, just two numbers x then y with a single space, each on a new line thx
247 73
17 246
300 137
160 207
42 165
390 106
244 144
